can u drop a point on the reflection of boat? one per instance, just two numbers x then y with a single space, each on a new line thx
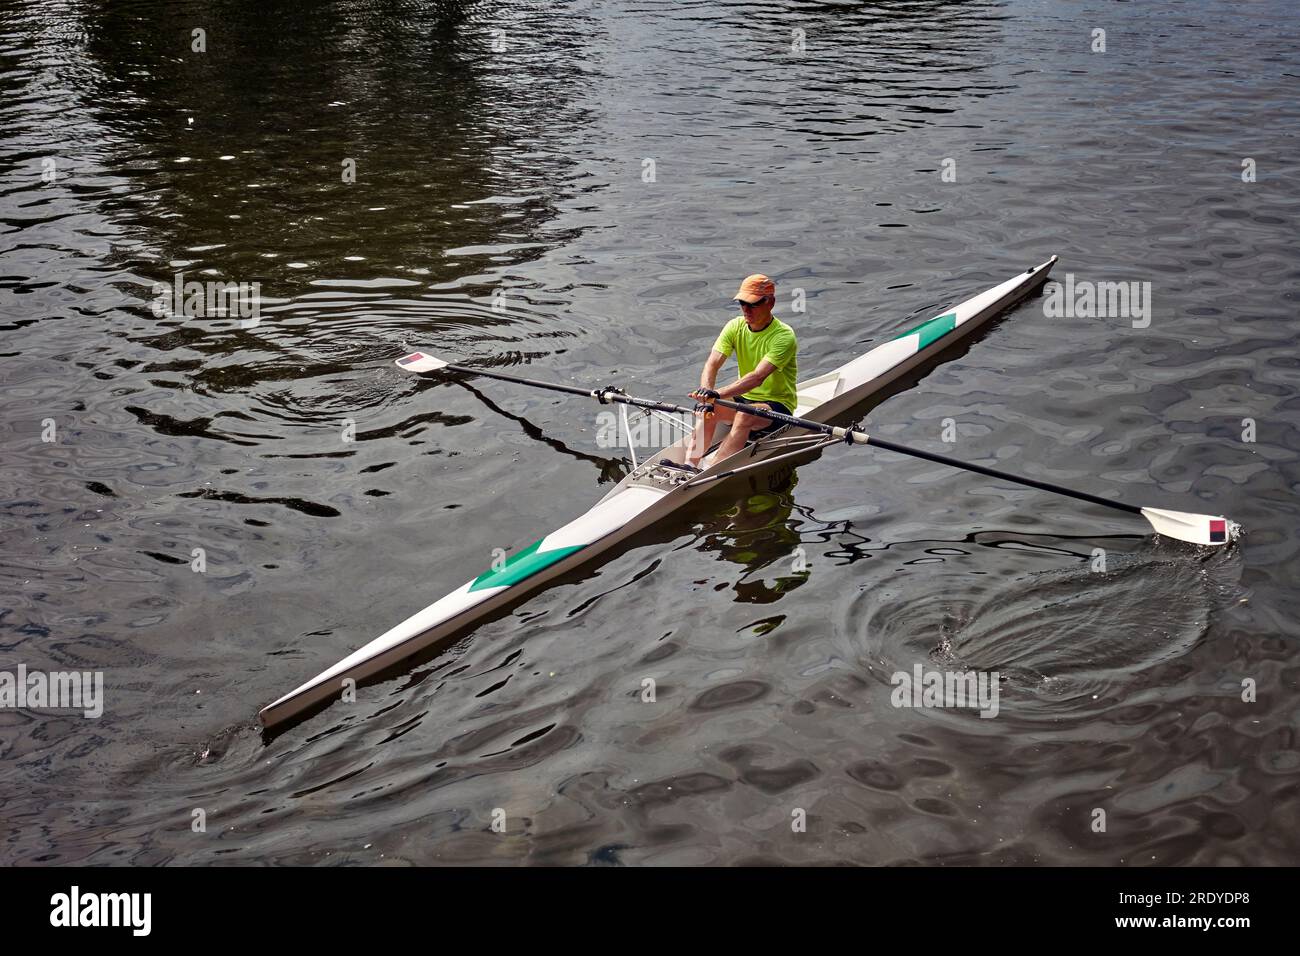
650 492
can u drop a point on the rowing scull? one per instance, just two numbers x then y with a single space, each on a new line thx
650 491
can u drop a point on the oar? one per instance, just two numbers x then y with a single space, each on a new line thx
422 363
1185 526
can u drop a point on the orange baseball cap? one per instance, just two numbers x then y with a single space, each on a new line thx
755 287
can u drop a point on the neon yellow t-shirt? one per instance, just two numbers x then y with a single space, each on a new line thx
777 344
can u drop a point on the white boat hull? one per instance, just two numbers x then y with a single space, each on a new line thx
648 494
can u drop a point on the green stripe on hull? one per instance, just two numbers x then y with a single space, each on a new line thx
932 330
522 565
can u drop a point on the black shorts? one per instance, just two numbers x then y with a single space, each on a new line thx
770 426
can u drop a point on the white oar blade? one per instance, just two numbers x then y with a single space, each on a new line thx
1198 529
420 362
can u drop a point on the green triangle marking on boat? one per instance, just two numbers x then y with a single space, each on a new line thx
932 329
522 565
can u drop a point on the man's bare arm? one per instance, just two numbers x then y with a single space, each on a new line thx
750 381
711 366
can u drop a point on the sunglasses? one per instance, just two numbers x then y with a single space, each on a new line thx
751 305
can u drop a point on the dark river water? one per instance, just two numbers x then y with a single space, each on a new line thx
576 189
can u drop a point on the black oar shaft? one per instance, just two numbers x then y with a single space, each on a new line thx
554 387
600 394
863 438
1005 476
775 416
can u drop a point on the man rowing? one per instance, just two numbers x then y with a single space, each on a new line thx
767 356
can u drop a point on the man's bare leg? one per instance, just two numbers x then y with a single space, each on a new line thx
702 438
739 434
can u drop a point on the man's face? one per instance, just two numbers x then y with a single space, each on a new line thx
756 314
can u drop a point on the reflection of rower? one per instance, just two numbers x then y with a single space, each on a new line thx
767 354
